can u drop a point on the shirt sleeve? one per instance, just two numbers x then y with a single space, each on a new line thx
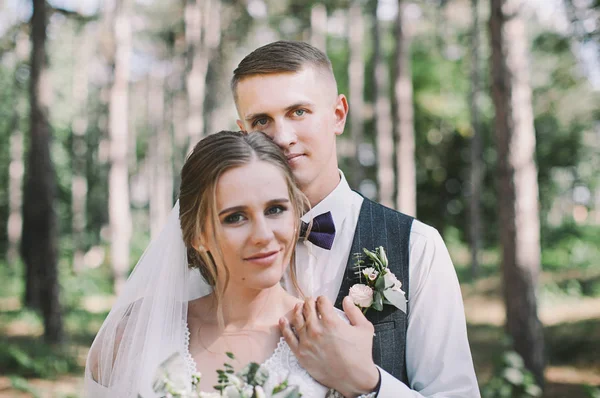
438 357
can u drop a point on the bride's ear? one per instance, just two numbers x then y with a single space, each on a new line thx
198 244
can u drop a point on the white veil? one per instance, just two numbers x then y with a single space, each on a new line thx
148 322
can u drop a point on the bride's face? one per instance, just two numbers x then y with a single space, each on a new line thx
256 224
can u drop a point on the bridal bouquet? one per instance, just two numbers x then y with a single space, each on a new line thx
170 382
381 285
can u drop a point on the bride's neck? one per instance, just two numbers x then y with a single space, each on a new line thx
250 309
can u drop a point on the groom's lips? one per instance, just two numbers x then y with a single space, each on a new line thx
265 258
293 157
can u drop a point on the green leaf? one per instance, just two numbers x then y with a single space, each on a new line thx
396 298
288 392
377 301
376 261
380 283
282 386
230 355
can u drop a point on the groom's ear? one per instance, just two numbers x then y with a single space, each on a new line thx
241 125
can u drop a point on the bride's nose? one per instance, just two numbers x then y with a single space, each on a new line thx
261 231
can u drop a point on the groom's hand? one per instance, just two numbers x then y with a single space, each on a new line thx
335 353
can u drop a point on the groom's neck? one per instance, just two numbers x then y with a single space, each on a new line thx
321 187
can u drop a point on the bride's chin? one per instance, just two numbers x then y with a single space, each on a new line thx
264 283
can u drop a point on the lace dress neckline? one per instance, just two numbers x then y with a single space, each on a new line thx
191 363
282 365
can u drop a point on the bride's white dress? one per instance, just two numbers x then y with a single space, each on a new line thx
148 324
281 364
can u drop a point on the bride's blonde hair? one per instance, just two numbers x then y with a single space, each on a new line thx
210 158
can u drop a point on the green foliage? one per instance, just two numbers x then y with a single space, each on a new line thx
511 379
32 358
21 384
593 392
571 246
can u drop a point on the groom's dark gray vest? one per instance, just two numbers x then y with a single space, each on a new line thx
381 226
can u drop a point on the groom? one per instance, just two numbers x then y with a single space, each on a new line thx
288 90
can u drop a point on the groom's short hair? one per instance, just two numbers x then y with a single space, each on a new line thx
280 57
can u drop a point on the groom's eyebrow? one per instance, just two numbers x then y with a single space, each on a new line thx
297 105
253 116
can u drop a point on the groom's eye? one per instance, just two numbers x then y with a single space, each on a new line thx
299 112
260 122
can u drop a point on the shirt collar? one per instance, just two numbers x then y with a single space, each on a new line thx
336 202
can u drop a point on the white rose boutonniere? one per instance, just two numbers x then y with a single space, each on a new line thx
380 285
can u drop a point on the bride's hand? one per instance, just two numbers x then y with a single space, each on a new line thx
335 353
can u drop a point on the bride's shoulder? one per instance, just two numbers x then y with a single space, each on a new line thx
200 308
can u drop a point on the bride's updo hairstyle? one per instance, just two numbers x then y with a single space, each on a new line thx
210 158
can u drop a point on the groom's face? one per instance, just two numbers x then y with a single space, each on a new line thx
303 114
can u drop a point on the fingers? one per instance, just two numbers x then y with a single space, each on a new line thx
288 334
326 311
297 318
354 314
309 310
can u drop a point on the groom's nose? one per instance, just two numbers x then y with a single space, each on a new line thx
284 135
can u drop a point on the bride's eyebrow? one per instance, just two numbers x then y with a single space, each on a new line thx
241 208
277 201
231 209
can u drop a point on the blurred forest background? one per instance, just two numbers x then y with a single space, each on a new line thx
480 117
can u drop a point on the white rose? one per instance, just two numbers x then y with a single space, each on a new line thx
361 295
235 381
209 395
232 392
391 281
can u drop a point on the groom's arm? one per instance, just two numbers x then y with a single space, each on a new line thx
438 357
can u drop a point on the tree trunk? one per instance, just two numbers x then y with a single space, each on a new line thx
161 179
202 35
318 26
17 166
383 116
476 149
39 245
518 186
15 195
118 177
79 185
356 77
406 199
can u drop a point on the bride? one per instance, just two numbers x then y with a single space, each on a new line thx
209 284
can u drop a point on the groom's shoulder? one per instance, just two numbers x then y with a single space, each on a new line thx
388 211
417 227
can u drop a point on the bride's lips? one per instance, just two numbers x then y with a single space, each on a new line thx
264 259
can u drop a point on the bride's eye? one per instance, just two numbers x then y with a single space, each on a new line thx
233 218
274 210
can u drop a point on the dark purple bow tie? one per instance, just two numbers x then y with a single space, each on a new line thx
322 231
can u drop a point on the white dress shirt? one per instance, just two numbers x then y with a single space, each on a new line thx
438 358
